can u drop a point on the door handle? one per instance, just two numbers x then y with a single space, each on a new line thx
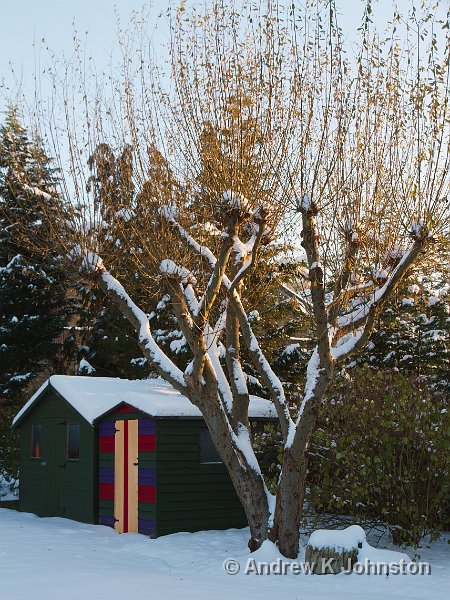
62 466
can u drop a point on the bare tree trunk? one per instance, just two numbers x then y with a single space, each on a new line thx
251 493
248 482
288 510
291 490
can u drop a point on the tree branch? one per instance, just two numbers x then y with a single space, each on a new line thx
372 309
269 379
236 374
152 352
215 283
339 295
310 243
249 266
305 308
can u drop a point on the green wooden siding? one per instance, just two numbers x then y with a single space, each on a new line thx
61 487
191 496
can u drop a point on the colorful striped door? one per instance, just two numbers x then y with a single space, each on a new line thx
127 492
126 457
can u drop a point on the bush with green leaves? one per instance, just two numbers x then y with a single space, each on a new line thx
381 454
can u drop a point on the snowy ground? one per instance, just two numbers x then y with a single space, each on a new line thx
58 558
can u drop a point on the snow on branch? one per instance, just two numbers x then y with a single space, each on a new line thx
249 264
363 319
191 299
204 251
236 200
259 360
169 212
185 276
160 360
305 203
222 382
36 192
346 344
302 302
416 228
360 313
243 444
350 228
167 369
262 365
312 377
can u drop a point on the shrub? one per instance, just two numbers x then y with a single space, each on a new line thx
381 453
9 444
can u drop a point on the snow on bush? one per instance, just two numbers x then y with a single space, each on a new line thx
9 487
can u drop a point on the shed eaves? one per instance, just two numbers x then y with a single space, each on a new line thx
93 397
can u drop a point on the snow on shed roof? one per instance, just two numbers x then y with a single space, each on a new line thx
92 397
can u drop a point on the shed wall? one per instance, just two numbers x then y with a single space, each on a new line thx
191 496
52 490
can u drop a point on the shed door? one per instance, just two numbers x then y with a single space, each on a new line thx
126 456
54 466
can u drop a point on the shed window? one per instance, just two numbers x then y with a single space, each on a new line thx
36 440
73 441
208 452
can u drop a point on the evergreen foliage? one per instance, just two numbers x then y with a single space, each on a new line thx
107 345
32 287
413 334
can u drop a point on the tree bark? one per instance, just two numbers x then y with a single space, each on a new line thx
247 482
291 489
289 503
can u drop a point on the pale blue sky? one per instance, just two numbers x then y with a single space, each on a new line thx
26 22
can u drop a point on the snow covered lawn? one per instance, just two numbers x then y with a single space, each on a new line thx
58 558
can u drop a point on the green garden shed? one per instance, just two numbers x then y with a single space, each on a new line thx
134 455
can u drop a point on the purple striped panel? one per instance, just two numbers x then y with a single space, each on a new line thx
147 426
106 520
147 476
106 474
107 428
147 526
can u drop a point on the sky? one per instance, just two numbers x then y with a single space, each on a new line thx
34 29
30 26
26 23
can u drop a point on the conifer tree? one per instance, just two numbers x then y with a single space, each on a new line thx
107 346
413 334
32 288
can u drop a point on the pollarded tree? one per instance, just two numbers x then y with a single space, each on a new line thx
351 159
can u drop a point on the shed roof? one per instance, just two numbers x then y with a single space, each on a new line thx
93 397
